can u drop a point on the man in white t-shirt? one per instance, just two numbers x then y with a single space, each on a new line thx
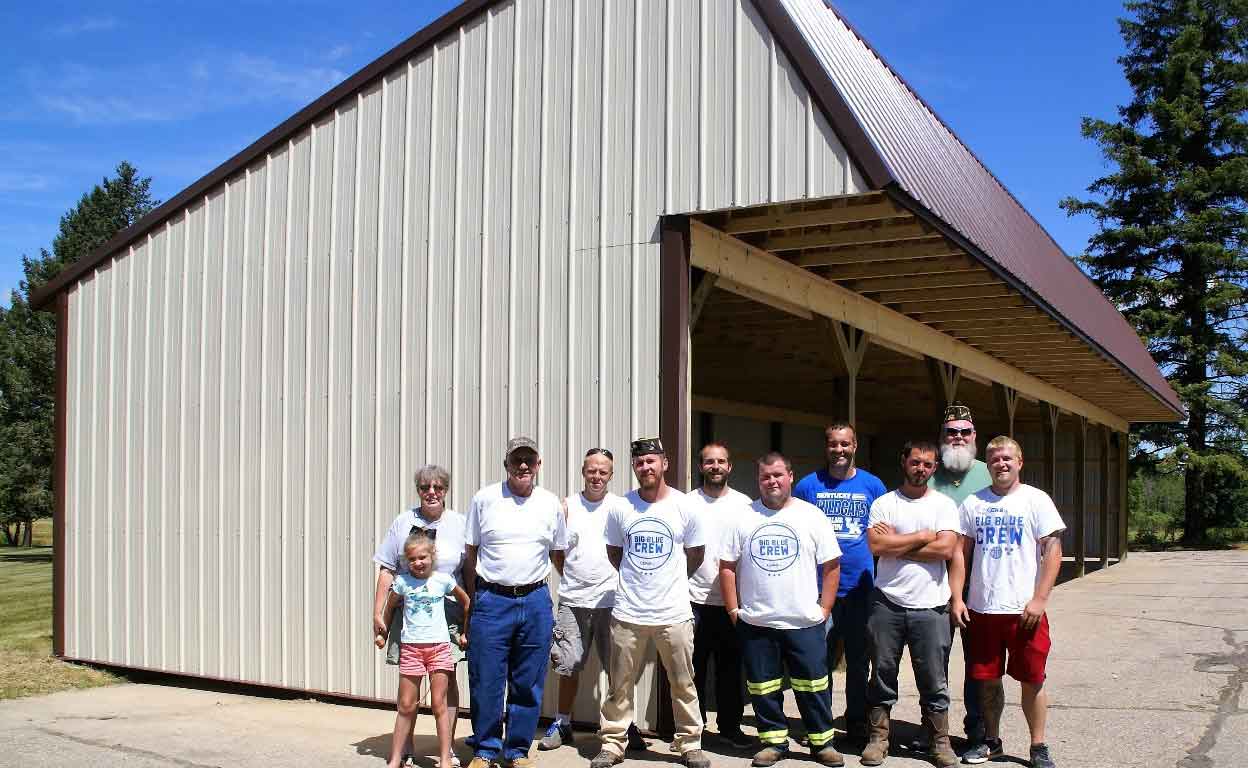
511 529
1012 530
780 611
713 635
655 541
913 531
586 593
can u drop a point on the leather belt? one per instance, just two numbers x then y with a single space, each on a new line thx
507 590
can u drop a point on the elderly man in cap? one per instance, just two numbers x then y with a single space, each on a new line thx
512 527
655 541
959 475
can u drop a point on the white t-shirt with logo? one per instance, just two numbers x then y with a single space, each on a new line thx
448 541
588 579
912 583
654 586
515 534
1007 531
777 554
719 522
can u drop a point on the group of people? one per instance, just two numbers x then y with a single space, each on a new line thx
752 592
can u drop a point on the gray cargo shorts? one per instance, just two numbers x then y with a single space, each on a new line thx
576 631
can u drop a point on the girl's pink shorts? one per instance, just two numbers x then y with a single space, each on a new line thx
419 659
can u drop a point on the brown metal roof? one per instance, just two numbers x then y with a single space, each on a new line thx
919 156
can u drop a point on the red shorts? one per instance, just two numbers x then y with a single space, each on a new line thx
993 636
419 659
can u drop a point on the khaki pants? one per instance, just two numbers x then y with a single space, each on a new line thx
675 646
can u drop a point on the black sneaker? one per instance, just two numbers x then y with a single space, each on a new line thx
983 752
1040 757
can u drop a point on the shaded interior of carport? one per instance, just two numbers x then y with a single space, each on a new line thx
857 309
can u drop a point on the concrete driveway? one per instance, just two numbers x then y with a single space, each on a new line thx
1149 667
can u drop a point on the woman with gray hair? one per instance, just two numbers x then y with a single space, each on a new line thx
447 528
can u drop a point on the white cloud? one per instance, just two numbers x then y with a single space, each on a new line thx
338 52
84 25
212 82
22 182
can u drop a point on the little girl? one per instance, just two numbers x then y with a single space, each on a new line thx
425 649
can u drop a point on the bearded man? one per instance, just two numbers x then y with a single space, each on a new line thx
959 475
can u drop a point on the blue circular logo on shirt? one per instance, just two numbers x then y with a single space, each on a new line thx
773 547
650 544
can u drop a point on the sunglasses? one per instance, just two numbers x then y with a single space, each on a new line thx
596 451
426 487
428 533
964 431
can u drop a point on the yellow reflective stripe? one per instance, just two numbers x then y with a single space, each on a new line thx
764 688
819 739
810 686
774 737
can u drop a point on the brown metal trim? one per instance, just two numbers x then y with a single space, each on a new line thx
1081 495
59 447
1124 506
291 126
674 347
834 106
903 198
1103 467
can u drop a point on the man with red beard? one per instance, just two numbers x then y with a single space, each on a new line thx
959 475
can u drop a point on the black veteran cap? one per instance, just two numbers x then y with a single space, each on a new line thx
646 445
957 412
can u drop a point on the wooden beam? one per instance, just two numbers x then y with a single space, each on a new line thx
899 268
1081 495
757 412
732 286
1106 533
867 235
1008 336
1007 404
824 257
930 308
960 295
1050 415
700 295
729 257
852 343
813 217
944 378
925 282
1004 319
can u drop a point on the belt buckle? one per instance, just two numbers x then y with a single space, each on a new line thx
515 590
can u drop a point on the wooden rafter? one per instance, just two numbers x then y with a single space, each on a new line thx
968 278
899 268
823 257
814 217
909 230
925 301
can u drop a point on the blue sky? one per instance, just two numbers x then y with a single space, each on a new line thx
177 88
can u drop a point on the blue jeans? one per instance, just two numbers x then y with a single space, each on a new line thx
508 653
849 625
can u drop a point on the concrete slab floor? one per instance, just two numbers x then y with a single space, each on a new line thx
1149 667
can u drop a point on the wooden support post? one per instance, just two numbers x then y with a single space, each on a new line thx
1007 404
1081 494
1124 506
852 344
697 301
1106 533
945 379
1051 415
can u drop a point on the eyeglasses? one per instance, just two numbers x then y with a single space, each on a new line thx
603 451
426 487
954 431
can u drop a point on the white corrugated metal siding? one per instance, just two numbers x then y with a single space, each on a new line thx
463 250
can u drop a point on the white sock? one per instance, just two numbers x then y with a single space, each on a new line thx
563 718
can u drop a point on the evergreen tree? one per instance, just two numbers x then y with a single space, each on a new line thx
1170 247
28 349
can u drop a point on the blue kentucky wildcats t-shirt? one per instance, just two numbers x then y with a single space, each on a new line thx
847 504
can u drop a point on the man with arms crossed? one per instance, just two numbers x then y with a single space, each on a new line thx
586 593
845 494
713 635
780 612
1012 530
959 475
914 531
512 527
655 541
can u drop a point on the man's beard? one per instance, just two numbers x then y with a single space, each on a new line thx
957 458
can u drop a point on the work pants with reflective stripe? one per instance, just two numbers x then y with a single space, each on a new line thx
768 652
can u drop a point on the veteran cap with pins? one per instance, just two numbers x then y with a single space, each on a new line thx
957 412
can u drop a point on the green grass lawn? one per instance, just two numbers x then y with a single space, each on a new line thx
27 667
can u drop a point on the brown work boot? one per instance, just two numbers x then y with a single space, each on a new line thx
877 738
939 750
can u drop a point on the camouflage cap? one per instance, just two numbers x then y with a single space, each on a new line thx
516 443
957 412
646 445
